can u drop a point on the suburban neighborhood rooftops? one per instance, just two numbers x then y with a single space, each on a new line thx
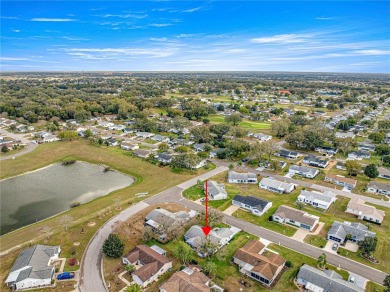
326 196
273 183
343 179
326 280
242 176
188 281
304 169
296 215
357 230
254 202
379 185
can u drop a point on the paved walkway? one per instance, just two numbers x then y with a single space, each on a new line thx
230 210
300 234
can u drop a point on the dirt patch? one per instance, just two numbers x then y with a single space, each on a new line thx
91 224
76 243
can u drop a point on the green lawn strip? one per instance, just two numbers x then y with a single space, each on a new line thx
374 287
316 240
194 193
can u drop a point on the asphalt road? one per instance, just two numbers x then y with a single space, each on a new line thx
91 277
30 145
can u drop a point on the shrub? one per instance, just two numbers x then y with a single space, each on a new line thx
113 247
69 161
289 264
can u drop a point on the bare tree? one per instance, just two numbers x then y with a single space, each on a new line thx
46 231
65 220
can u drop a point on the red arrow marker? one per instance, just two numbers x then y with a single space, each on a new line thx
206 229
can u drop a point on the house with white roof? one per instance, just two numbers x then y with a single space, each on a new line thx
273 185
262 137
316 199
342 135
384 172
359 155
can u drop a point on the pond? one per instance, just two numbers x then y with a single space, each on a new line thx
48 191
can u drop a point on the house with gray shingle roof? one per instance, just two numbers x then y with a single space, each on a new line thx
339 231
317 199
32 267
315 280
215 191
255 205
313 160
304 171
384 172
378 188
298 218
242 178
273 185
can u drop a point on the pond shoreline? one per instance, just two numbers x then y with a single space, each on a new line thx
32 196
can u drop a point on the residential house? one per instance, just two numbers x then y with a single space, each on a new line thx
242 178
32 268
218 237
342 135
358 207
49 138
189 280
113 142
105 124
144 135
214 153
21 128
116 127
378 188
160 138
341 165
142 153
366 147
317 199
340 180
315 280
298 218
258 263
201 163
150 264
304 171
313 160
162 221
129 146
287 154
199 147
339 231
384 172
359 155
273 185
215 191
253 204
262 137
327 150
164 158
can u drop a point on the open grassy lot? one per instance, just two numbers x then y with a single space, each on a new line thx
253 126
374 287
149 178
318 241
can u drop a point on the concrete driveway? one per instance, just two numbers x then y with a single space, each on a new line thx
231 210
328 247
300 234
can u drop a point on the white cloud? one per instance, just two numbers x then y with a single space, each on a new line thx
192 10
159 39
70 38
282 39
372 52
12 59
160 24
53 19
16 30
122 52
130 15
325 18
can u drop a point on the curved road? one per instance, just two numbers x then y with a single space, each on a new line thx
91 277
30 145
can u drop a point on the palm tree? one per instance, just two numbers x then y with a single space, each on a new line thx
133 288
209 268
130 268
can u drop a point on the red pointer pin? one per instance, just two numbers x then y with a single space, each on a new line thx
206 229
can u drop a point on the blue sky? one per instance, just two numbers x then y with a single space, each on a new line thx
315 36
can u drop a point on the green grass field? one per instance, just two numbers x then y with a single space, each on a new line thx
245 124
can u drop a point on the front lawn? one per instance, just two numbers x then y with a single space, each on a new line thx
315 240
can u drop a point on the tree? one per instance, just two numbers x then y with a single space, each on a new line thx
65 220
220 129
88 133
183 252
280 128
321 262
68 135
181 149
269 148
237 147
382 149
163 146
130 268
368 245
376 137
353 167
332 107
371 171
4 149
386 159
201 134
133 288
209 268
386 283
113 247
233 119
300 205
